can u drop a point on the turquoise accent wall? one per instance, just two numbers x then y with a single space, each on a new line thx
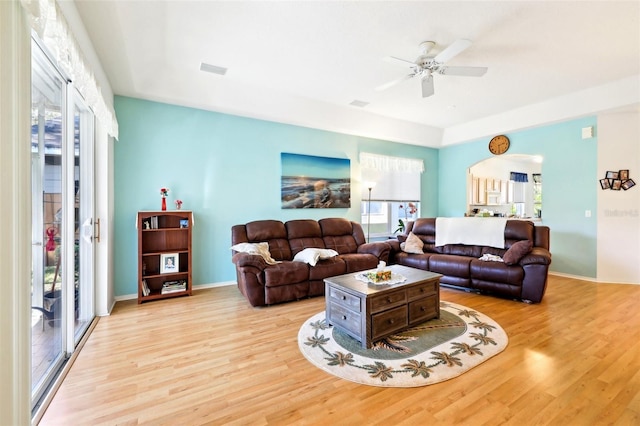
226 169
570 185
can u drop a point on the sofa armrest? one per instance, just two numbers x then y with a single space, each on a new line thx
379 249
394 244
538 255
252 260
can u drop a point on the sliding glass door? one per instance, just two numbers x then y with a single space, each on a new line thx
62 285
47 289
83 202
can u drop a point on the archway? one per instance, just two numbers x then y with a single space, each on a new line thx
493 190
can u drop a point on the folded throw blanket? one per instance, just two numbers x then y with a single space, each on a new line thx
490 258
474 231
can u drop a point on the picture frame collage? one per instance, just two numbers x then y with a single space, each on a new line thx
617 180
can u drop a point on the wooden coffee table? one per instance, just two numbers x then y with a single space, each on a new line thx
369 312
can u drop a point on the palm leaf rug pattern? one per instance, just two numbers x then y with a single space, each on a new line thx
437 350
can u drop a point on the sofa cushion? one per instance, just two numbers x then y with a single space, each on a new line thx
312 255
462 250
419 261
303 233
327 268
341 235
496 272
286 273
273 232
517 251
260 249
413 244
452 265
518 230
359 261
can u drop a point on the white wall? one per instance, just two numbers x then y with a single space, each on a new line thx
619 211
15 216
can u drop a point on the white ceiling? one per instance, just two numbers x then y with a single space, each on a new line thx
303 62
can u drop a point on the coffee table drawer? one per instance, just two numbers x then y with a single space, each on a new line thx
388 300
347 319
345 299
423 309
388 322
422 290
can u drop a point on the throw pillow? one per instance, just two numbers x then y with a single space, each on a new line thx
260 249
517 251
413 244
312 255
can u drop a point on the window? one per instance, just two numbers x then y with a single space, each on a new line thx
386 215
537 195
397 184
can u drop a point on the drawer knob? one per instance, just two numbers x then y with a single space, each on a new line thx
422 308
422 290
344 297
391 321
388 300
344 317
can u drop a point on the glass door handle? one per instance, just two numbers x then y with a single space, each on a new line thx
97 231
87 230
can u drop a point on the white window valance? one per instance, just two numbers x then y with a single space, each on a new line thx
395 178
385 163
48 22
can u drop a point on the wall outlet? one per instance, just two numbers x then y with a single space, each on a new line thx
587 132
587 213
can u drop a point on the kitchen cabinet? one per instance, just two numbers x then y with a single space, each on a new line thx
489 191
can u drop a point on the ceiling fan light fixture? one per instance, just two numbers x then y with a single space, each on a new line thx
214 69
426 46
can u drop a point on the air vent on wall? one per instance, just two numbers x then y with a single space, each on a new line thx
212 69
358 103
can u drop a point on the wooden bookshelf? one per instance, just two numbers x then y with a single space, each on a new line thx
164 254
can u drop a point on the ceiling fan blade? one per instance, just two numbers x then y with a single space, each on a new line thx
393 83
398 61
454 49
427 86
463 71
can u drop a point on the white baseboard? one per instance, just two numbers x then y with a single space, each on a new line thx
575 277
195 288
590 279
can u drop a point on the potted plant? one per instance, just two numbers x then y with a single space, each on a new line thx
409 209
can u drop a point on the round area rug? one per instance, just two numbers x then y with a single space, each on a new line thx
432 352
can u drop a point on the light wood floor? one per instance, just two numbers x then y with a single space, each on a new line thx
574 359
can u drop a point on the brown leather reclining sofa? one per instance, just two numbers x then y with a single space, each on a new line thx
460 266
265 284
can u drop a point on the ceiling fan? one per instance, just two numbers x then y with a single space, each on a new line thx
426 65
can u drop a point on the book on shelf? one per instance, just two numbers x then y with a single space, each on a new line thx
174 286
154 222
145 288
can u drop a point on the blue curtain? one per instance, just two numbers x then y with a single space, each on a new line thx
519 177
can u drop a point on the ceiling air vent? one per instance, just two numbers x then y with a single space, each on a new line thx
212 69
358 103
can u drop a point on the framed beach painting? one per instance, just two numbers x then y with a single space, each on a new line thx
310 182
